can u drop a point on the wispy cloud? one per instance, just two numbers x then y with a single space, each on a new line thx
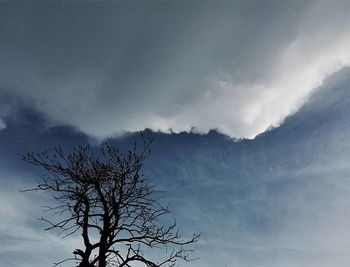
21 233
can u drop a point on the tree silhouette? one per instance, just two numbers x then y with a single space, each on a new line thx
116 209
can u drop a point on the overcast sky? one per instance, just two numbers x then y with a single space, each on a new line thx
248 101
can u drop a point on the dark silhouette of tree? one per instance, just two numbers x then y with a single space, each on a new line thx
116 209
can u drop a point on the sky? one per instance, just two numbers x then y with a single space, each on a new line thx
248 101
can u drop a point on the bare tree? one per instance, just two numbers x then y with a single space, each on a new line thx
116 209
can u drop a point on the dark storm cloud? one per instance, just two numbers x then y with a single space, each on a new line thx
107 68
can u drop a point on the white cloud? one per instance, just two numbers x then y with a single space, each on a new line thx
240 72
2 125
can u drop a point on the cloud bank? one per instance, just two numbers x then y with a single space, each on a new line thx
171 67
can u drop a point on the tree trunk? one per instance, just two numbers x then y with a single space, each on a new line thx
102 254
85 263
102 262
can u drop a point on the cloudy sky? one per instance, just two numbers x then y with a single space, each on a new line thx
249 102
